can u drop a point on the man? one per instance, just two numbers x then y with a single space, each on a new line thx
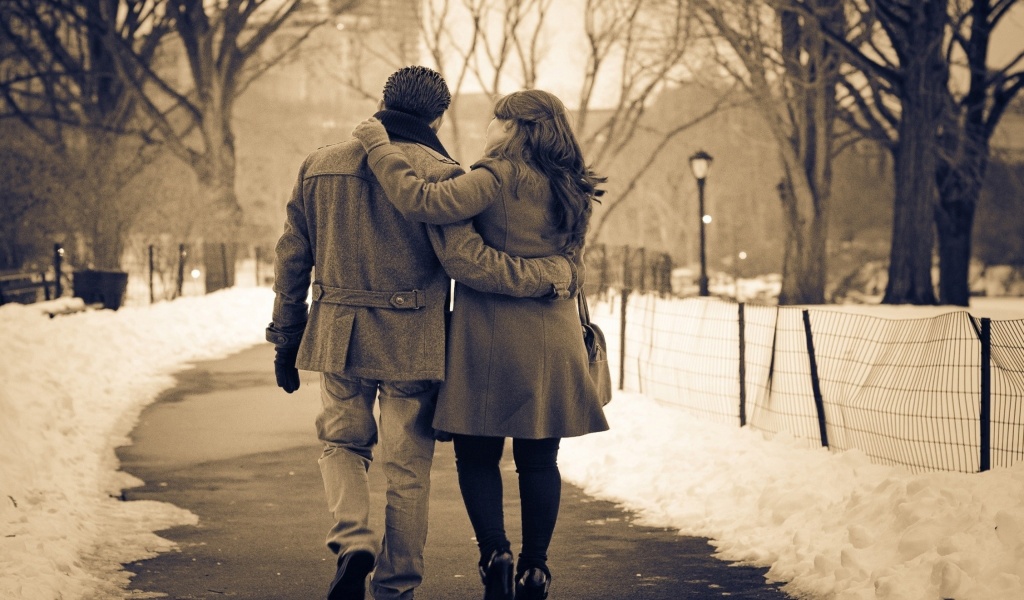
376 325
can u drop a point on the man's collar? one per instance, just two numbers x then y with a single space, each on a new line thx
410 127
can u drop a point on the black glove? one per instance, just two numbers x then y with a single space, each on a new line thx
284 368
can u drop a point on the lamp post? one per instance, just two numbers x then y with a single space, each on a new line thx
700 164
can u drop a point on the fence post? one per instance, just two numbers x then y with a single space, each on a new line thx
58 258
627 272
985 412
743 367
151 299
819 403
642 284
181 269
666 275
603 281
224 264
655 267
622 336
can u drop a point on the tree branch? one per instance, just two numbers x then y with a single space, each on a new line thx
652 158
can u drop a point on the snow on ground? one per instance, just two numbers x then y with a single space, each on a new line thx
72 388
833 525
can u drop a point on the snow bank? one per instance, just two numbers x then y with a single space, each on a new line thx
72 388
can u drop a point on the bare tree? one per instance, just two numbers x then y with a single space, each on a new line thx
965 133
644 44
503 35
108 69
636 45
177 72
903 90
916 78
896 81
58 82
28 190
791 71
219 44
504 40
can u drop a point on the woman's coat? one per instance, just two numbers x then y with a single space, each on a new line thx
516 367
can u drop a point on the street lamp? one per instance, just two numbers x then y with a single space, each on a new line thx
700 164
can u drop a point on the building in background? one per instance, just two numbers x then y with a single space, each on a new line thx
344 61
315 96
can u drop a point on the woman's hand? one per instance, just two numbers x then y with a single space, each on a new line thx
371 134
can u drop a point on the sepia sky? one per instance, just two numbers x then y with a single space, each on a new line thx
1008 40
564 52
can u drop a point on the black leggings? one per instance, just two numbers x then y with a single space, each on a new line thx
540 491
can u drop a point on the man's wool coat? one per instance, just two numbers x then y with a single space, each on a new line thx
379 290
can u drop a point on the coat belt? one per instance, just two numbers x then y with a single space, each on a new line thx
405 300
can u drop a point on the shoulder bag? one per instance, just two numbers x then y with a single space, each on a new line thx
597 352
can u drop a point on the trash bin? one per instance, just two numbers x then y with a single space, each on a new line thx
103 287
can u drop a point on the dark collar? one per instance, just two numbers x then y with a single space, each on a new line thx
411 128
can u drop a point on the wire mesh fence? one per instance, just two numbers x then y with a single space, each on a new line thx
940 393
904 391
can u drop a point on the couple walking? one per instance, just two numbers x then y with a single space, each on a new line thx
376 226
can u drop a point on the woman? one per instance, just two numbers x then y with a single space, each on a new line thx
515 367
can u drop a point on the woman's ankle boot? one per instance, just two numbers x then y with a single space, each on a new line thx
532 584
496 574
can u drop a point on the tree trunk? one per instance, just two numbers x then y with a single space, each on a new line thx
220 233
954 255
107 244
959 190
804 264
925 78
219 264
963 157
913 237
101 214
806 151
222 225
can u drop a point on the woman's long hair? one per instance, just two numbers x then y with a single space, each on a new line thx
543 139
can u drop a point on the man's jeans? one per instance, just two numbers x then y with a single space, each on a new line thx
347 428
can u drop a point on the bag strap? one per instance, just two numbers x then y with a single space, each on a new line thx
584 309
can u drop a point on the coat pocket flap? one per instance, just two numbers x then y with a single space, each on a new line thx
325 345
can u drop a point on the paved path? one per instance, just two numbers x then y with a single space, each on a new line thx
226 444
